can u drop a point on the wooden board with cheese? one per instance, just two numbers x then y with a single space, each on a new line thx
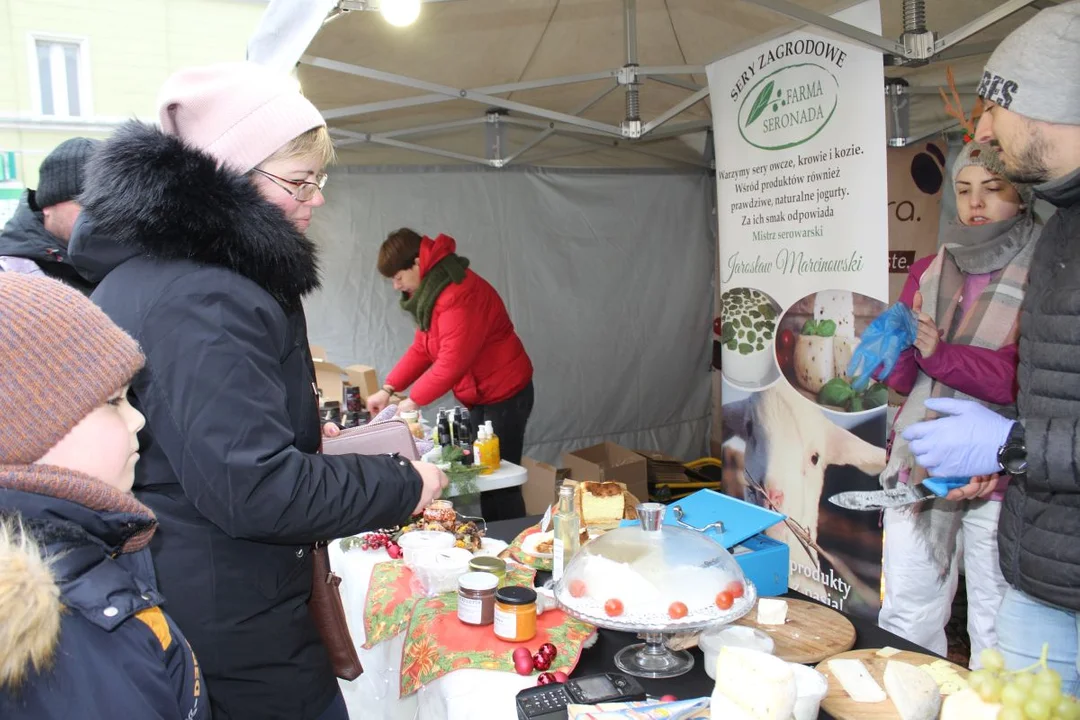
839 702
811 632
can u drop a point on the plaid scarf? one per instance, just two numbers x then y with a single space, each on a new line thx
992 322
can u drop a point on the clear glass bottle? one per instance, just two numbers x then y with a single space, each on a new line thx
567 531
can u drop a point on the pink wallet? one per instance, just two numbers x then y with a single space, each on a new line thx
383 438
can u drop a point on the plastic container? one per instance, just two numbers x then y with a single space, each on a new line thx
712 640
812 687
437 571
423 540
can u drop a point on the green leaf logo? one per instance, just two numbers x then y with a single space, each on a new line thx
760 103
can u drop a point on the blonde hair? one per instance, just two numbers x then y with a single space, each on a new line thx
315 141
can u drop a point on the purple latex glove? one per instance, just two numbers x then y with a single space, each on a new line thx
963 443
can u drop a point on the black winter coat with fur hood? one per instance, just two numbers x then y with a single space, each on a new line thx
208 277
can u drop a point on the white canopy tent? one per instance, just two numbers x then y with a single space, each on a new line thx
565 144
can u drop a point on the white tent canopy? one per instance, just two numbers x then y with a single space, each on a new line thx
580 82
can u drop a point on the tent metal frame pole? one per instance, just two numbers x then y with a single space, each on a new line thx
410 146
980 23
846 30
545 134
417 130
674 110
676 82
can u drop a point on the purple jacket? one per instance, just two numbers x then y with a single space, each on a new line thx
989 375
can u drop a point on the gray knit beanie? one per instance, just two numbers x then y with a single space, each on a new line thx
60 177
987 156
1033 71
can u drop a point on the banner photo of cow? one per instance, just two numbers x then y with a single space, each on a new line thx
785 452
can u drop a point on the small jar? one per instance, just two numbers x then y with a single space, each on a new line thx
515 613
476 598
442 512
487 564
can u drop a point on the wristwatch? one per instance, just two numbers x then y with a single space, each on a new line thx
1012 456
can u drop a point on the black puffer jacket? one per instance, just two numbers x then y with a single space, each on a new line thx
25 237
208 277
1039 529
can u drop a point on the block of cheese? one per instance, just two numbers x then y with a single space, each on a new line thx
753 685
843 349
815 361
600 504
887 652
946 675
838 306
771 611
967 705
913 692
856 681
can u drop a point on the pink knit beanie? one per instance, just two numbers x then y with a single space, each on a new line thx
240 113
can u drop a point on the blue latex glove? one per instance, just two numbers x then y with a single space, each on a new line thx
891 332
964 443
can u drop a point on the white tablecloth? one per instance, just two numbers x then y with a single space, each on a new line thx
461 695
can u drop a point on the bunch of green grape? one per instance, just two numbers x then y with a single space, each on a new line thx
1033 693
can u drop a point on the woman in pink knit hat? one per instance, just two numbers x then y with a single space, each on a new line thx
202 258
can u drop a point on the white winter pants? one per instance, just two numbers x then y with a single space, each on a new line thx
917 604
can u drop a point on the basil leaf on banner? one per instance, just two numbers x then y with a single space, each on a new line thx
760 103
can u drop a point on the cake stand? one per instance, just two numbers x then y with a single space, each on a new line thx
652 658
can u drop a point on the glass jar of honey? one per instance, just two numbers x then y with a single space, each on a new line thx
515 613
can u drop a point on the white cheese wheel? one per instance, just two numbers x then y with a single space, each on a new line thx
815 363
843 349
838 306
753 685
857 681
771 612
967 705
913 692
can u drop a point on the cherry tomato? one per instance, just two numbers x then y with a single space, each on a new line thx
787 340
614 607
577 588
736 588
724 601
677 610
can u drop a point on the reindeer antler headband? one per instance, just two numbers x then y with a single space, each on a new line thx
954 107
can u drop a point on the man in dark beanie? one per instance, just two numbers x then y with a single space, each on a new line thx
1032 95
35 240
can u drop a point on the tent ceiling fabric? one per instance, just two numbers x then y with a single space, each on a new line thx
478 43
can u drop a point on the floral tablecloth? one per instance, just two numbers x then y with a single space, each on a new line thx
437 643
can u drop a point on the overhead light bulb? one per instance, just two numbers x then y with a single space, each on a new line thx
400 13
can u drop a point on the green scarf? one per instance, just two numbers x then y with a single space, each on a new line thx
421 304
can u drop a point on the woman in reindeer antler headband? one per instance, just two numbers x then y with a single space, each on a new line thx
967 297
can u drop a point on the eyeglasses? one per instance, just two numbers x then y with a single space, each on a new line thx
305 189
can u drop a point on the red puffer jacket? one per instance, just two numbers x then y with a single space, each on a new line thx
471 347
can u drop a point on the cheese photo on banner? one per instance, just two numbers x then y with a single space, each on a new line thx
802 206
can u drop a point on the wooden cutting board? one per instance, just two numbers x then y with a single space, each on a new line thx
812 632
840 705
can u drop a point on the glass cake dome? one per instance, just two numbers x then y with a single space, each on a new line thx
654 579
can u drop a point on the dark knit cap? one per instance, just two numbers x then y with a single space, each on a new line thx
62 358
60 177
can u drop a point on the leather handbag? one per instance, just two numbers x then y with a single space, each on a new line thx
328 613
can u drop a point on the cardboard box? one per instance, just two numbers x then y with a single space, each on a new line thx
330 379
363 377
541 487
610 462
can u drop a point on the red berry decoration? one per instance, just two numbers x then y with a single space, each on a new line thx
677 610
560 676
668 698
736 588
541 661
393 550
545 678
548 650
724 601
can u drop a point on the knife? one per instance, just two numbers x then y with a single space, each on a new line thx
898 496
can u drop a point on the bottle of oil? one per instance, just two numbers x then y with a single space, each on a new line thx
481 449
492 452
567 531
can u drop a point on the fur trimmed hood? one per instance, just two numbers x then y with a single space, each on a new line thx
151 194
29 604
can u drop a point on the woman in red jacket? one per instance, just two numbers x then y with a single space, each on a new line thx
464 342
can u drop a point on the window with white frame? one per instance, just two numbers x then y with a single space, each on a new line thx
60 73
